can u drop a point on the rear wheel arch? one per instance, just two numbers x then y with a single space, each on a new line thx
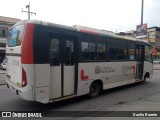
95 88
147 75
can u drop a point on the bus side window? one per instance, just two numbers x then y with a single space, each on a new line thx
117 50
54 52
69 56
88 50
148 54
131 51
101 52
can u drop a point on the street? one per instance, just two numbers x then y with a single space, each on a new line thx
56 50
136 97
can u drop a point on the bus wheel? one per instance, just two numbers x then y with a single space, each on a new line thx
94 90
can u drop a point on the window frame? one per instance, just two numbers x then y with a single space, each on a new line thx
133 42
118 40
151 58
92 39
21 30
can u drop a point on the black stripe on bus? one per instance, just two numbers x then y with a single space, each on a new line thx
13 54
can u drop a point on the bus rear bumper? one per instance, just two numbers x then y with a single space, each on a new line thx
26 92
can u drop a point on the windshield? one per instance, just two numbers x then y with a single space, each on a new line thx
15 36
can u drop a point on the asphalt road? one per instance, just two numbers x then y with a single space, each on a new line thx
117 99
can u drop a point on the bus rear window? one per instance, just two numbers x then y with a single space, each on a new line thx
15 36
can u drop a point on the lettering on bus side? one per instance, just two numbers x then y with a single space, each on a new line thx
128 71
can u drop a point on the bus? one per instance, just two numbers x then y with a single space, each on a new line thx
48 62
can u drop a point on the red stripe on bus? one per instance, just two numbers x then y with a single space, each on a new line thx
27 44
88 31
134 68
83 77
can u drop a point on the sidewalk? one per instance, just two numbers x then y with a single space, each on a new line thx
2 77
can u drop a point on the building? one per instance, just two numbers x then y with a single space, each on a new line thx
131 33
153 37
5 24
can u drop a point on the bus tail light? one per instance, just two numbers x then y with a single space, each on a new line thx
24 78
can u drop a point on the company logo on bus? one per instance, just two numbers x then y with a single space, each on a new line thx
99 70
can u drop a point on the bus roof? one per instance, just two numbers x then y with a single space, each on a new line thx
81 29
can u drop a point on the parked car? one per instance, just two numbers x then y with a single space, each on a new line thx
3 65
156 61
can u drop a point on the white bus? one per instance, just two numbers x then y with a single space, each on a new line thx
47 62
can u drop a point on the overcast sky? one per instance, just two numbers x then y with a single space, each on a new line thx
113 15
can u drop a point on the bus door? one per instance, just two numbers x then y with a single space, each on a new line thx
139 61
63 65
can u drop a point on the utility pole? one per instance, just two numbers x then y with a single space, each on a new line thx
29 13
142 13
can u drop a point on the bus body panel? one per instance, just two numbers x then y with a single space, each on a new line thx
112 74
42 82
108 70
42 94
14 50
30 80
26 92
20 60
31 74
14 69
42 75
56 82
69 80
13 55
148 68
108 86
67 85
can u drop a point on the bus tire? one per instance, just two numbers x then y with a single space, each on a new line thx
94 90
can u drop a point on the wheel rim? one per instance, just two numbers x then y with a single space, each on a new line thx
94 90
